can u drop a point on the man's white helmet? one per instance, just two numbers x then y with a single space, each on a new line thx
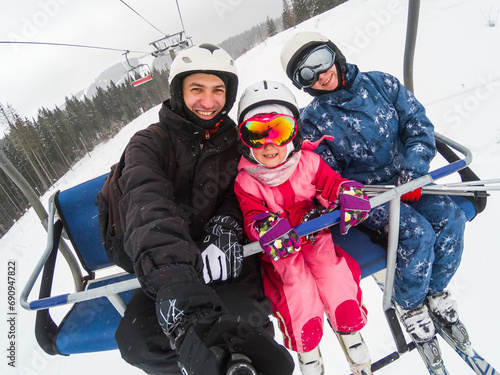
203 58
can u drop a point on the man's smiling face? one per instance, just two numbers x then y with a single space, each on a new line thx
204 94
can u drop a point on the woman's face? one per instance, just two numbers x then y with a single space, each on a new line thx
327 81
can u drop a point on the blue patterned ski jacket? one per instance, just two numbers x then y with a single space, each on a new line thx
380 129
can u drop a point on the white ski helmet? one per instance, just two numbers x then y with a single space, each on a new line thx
265 93
299 45
203 58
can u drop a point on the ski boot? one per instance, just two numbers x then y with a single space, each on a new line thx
356 352
442 307
443 311
311 363
420 327
418 323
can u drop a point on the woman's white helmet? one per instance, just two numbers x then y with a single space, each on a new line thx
299 45
203 58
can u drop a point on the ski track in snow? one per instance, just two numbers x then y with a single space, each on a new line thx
456 82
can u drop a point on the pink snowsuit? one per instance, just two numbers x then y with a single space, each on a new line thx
321 277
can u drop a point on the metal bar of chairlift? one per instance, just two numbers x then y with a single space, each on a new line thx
30 194
411 38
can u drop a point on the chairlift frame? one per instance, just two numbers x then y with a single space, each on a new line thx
170 43
138 74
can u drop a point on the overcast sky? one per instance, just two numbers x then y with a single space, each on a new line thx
33 76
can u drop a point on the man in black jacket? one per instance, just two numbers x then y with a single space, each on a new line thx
201 305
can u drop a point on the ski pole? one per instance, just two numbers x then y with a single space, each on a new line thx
469 183
436 190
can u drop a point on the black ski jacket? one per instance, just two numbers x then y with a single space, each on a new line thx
164 217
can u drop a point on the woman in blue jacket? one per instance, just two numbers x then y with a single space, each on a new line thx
383 136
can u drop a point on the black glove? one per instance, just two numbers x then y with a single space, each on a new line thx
221 252
205 335
311 215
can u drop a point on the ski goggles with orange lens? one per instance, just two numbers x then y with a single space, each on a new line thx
278 128
316 62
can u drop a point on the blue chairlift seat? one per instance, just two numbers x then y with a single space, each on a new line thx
369 249
90 325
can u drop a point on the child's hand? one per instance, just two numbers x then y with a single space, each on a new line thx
276 236
354 205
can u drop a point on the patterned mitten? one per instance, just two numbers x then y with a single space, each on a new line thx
354 205
276 235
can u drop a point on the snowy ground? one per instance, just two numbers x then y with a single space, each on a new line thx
457 78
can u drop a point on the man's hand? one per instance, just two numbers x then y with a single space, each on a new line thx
222 254
204 334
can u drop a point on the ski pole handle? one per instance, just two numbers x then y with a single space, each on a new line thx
240 364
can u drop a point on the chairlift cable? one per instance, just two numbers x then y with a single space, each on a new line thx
180 16
133 10
69 45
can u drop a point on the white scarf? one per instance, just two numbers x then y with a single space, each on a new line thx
277 175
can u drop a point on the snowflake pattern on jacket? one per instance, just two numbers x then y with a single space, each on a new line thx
381 131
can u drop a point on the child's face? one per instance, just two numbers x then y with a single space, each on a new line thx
270 155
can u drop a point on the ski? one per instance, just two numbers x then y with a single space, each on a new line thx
431 355
354 342
457 337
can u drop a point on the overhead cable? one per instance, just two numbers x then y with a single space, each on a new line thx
69 45
133 10
180 16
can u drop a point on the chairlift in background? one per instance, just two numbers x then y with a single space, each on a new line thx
170 44
138 74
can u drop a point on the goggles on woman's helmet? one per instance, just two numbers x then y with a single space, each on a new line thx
316 62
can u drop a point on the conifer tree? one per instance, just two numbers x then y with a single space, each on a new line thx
288 16
301 10
271 27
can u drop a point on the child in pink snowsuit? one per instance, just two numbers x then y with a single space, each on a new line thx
280 181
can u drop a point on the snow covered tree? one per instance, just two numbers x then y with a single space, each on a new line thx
271 27
288 16
320 6
301 10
